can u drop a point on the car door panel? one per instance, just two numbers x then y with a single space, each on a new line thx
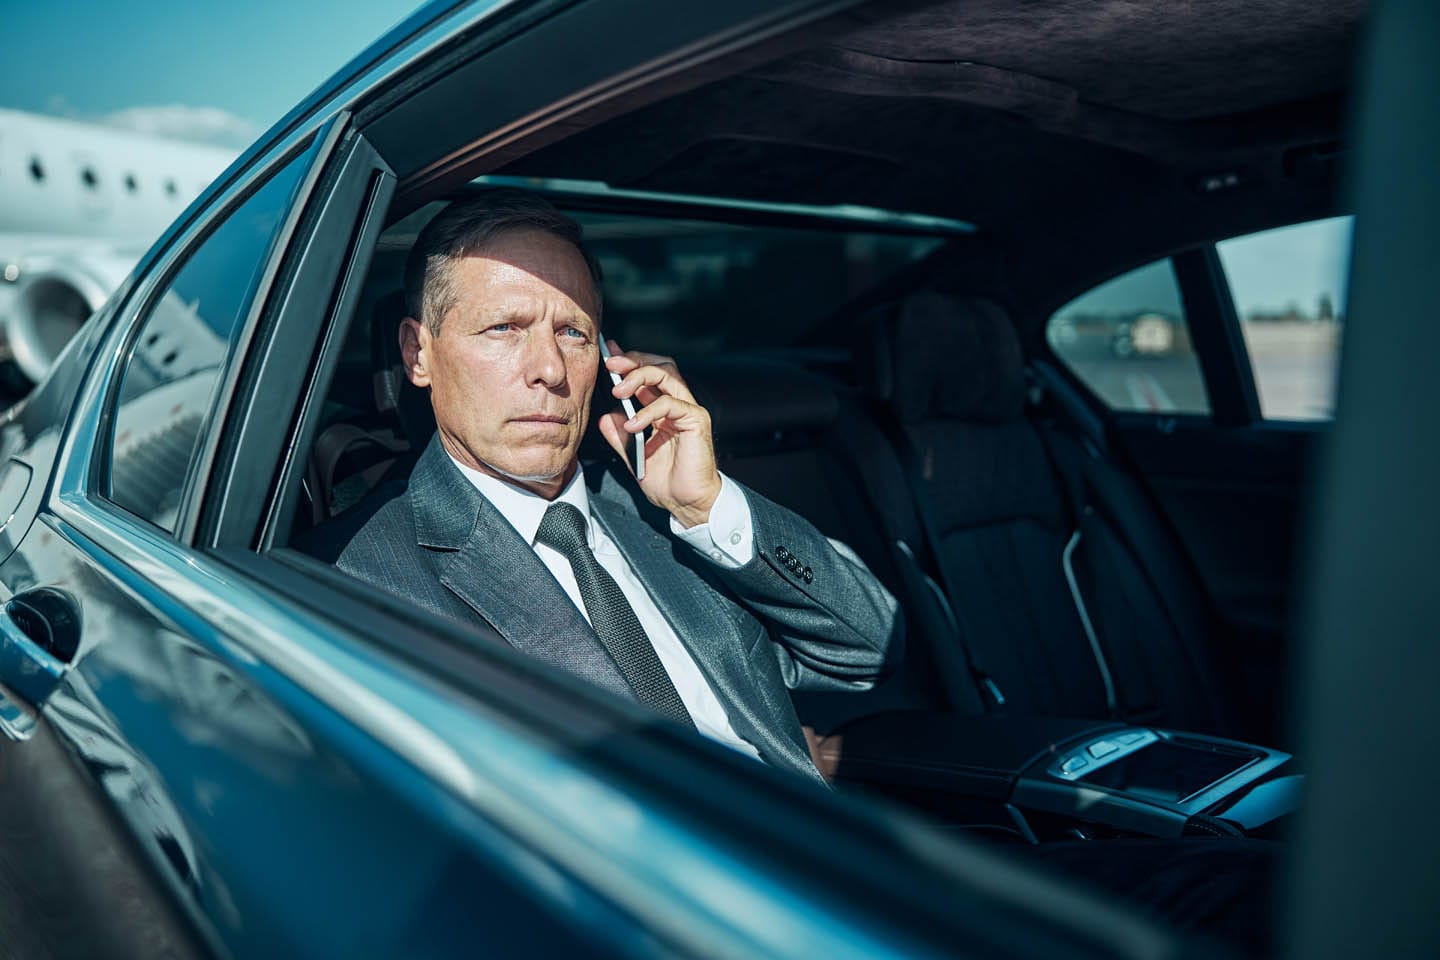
1232 496
75 883
246 797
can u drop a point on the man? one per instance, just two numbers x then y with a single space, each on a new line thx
691 594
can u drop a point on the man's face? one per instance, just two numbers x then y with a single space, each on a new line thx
511 371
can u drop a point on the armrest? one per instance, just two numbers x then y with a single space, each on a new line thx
1135 780
977 756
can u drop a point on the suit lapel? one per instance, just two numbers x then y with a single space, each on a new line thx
484 562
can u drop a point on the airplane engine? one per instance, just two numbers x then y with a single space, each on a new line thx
51 299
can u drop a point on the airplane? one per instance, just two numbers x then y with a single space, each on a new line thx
79 203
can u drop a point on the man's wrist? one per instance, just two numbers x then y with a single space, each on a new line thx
692 515
728 536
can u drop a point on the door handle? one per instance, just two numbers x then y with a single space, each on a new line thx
39 636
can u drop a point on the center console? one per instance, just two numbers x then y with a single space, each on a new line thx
1052 778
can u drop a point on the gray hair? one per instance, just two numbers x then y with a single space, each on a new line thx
465 227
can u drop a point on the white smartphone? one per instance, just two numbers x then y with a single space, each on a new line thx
637 459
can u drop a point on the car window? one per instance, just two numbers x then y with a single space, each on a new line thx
678 286
174 369
1289 290
1127 340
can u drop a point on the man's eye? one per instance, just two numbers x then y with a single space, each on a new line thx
500 328
573 333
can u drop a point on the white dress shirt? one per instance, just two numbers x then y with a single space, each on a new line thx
727 540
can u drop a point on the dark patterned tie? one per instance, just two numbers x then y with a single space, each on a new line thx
563 529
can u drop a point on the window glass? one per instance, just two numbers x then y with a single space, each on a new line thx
695 286
175 367
1289 290
1127 340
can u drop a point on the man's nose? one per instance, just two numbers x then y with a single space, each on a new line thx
544 364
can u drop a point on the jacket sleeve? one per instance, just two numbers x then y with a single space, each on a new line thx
831 623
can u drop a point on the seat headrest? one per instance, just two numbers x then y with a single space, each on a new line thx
748 396
937 357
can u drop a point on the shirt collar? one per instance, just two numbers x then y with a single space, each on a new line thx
524 510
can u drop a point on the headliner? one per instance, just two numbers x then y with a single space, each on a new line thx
1051 123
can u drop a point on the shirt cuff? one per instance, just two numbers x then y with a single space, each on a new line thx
728 537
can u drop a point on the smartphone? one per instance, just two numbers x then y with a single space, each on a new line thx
637 457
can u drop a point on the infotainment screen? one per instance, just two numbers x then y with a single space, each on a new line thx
1169 771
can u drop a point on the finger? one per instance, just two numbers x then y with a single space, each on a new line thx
679 416
665 381
622 362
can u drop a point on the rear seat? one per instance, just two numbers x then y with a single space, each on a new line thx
1053 602
793 436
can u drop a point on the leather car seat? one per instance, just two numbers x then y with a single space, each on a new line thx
1061 611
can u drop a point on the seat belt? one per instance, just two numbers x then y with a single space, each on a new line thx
928 558
1073 486
949 662
1054 439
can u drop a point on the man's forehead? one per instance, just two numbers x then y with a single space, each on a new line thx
526 264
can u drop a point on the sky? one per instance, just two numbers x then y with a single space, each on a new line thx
213 72
1272 271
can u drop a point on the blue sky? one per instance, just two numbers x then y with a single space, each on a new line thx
252 60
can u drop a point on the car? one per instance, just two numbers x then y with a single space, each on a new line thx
218 744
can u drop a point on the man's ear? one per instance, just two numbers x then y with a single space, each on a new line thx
415 342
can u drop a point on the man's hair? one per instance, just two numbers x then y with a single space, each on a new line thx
467 226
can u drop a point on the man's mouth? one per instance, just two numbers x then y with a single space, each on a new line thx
542 418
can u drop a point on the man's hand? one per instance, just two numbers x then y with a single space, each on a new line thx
680 472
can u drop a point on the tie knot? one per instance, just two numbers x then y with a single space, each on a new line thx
563 529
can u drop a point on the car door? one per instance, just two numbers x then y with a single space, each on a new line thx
100 669
1213 371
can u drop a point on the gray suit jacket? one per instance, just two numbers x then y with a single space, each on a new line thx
755 632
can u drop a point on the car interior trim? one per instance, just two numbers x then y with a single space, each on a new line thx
873 219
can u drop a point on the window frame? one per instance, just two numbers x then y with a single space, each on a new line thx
299 347
1219 341
102 404
1218 344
